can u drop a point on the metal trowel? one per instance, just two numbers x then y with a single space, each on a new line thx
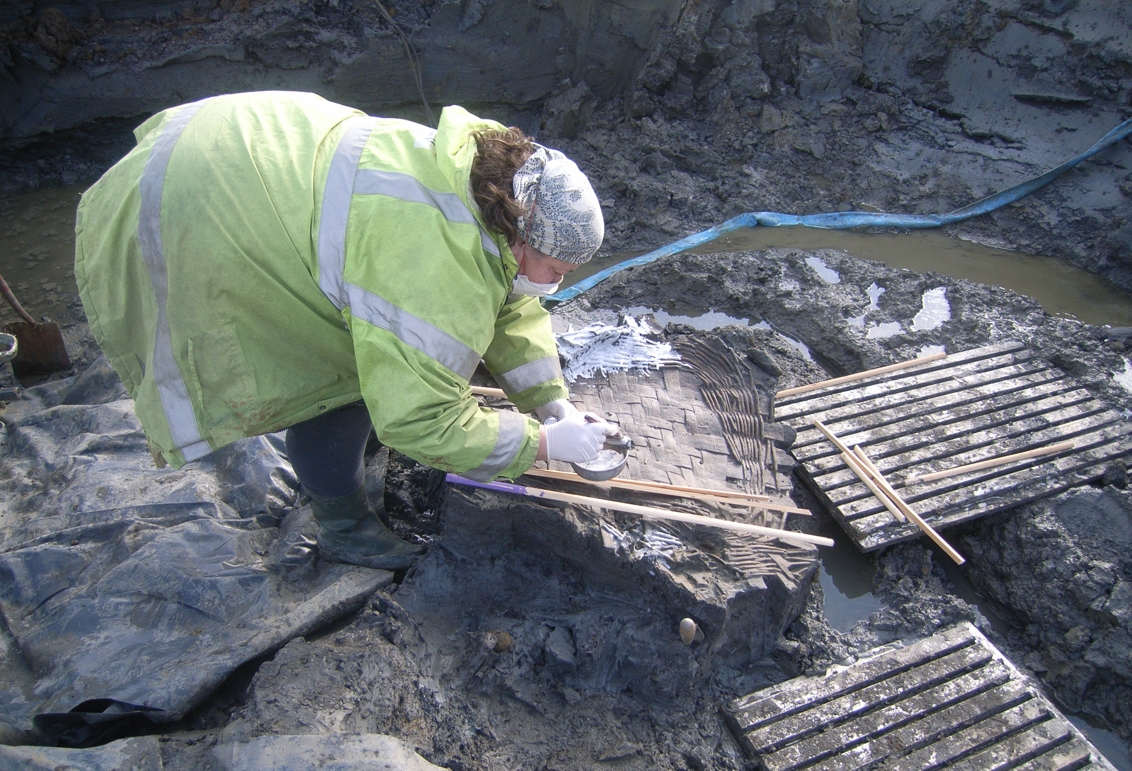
41 350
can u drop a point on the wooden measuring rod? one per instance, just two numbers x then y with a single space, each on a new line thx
990 462
858 376
644 511
883 484
673 491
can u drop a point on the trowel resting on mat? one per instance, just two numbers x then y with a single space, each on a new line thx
41 348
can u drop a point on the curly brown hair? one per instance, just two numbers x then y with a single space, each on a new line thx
499 154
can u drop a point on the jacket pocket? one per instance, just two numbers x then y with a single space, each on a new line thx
224 385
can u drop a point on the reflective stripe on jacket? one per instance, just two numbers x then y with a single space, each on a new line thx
260 258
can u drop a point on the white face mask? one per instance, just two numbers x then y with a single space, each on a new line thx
524 286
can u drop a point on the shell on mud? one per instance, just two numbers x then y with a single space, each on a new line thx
690 632
498 641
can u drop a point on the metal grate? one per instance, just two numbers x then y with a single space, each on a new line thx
966 408
950 701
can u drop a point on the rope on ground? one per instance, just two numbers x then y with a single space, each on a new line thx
849 219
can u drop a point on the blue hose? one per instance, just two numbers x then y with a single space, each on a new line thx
848 219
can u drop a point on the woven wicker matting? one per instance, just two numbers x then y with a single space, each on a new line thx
966 408
703 424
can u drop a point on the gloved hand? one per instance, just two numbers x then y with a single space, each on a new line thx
576 439
559 409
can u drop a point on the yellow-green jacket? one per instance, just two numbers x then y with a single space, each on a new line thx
261 258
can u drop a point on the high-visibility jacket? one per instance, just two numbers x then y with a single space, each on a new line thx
258 259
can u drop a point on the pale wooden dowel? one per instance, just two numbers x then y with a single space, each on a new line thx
658 486
991 462
679 516
883 484
855 466
650 512
700 494
485 391
858 375
867 462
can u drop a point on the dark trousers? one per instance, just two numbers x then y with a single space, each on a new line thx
328 452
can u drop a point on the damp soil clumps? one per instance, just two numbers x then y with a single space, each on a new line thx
515 642
1056 570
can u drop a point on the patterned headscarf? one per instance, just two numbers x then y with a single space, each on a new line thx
562 216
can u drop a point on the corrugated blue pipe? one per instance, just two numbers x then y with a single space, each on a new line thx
849 219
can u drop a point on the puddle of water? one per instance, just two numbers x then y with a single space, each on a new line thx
37 249
696 318
874 293
1115 750
965 591
934 312
885 329
1060 287
826 273
1125 377
798 345
847 582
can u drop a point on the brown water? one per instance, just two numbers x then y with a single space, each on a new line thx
1061 288
37 253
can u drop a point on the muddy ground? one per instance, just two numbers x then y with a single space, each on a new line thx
420 662
707 111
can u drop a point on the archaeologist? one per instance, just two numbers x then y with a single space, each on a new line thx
272 260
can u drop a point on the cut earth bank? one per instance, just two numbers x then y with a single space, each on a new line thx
713 109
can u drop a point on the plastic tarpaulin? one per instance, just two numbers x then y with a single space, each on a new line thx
129 592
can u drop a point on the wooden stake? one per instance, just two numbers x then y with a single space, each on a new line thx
659 488
991 462
485 391
867 462
644 511
883 484
637 484
856 467
866 473
858 376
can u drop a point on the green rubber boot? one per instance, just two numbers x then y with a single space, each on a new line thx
351 533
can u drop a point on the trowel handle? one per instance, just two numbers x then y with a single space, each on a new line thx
591 418
615 440
11 298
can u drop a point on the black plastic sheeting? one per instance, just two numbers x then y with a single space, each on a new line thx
326 752
129 593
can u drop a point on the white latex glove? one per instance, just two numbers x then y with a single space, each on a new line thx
559 409
576 439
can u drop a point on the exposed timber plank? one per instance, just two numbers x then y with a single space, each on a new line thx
968 408
950 701
795 404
